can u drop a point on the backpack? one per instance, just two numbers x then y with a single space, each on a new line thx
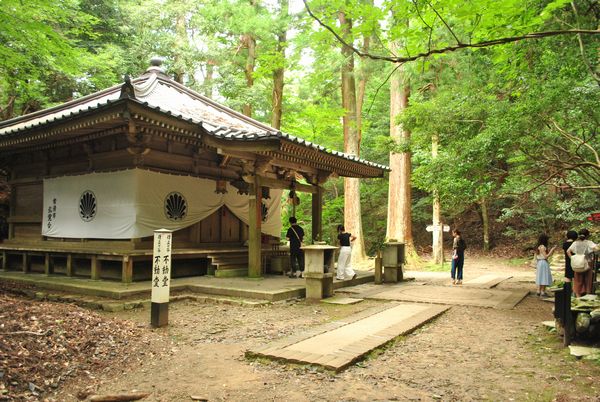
579 261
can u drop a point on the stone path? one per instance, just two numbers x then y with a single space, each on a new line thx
337 345
486 281
455 295
341 300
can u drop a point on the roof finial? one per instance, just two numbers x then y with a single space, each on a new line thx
156 65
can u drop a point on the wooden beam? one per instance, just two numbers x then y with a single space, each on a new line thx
48 264
127 269
25 263
70 271
242 145
317 215
282 184
95 266
254 234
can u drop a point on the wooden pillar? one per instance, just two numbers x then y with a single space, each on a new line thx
69 265
95 268
254 229
4 261
47 264
317 215
25 263
12 202
127 269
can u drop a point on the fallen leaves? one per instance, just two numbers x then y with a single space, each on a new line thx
44 344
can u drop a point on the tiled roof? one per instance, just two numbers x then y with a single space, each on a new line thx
157 91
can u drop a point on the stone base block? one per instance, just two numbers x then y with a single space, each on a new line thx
318 285
392 274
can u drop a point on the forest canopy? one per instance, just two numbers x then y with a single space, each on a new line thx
503 136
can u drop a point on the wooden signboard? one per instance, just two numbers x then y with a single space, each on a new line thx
161 277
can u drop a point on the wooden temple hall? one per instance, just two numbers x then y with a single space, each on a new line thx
92 179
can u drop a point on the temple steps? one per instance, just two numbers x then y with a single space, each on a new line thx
229 264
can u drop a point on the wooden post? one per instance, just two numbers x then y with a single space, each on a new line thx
378 268
95 268
25 263
127 269
70 265
254 229
317 215
4 261
47 264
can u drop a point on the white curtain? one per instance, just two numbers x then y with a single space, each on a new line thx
132 203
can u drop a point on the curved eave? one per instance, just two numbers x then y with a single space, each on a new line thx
294 149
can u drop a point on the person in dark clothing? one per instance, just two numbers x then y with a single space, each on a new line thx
458 257
571 237
295 235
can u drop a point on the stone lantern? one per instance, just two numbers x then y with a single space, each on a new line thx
393 259
318 270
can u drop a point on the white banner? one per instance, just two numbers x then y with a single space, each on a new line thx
133 203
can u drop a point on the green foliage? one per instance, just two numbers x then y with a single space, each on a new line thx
517 124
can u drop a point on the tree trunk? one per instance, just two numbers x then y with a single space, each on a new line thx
277 96
352 210
209 79
250 43
180 44
438 245
399 220
485 220
363 77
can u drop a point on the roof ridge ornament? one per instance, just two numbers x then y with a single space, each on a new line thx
156 63
127 90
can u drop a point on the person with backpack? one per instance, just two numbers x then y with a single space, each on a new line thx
295 236
458 257
579 253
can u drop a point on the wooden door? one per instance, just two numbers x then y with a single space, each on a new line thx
230 226
210 228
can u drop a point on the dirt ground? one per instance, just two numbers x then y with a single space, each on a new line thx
467 354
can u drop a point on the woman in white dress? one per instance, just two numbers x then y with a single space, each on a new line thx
543 276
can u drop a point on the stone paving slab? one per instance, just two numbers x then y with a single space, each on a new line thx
337 345
486 281
341 300
370 289
454 295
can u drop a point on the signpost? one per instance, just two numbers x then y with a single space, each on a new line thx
161 277
431 228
